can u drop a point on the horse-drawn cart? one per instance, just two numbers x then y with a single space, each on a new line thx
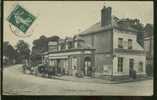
40 70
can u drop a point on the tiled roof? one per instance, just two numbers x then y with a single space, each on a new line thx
120 24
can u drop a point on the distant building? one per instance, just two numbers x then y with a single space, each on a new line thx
108 48
148 43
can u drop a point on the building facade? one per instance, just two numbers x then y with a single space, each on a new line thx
108 48
70 56
118 52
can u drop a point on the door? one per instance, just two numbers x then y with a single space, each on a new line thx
87 66
131 67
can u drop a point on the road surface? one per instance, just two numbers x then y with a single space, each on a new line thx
17 83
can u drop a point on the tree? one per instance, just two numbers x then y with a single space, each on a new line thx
9 52
23 50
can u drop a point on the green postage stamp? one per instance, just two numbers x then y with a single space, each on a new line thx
21 18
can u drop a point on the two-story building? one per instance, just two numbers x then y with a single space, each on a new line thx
108 48
117 48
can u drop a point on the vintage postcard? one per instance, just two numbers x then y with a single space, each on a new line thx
78 48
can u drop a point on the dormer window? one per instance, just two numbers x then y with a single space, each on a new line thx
129 43
120 42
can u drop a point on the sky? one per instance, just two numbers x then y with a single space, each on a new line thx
68 18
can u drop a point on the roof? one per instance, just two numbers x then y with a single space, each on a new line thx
78 38
117 23
94 28
84 45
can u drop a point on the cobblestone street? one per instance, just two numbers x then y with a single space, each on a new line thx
17 83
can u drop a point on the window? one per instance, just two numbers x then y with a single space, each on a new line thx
120 64
53 62
140 68
120 42
129 44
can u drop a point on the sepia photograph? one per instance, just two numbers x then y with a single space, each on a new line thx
78 48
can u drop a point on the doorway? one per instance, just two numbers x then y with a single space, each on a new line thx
131 68
87 66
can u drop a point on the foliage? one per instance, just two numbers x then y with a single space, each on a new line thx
9 52
23 49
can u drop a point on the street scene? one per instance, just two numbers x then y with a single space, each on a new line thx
78 48
21 84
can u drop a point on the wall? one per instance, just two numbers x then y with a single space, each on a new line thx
102 42
126 57
126 35
135 46
103 64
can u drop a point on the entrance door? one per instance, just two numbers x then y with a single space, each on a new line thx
87 66
131 67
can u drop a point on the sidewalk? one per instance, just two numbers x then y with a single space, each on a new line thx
96 80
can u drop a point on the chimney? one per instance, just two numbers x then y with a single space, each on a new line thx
106 16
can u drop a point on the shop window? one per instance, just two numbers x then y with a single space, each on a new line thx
53 62
120 64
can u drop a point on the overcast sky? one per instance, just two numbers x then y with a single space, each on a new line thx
68 18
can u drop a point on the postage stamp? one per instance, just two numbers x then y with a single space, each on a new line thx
21 18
